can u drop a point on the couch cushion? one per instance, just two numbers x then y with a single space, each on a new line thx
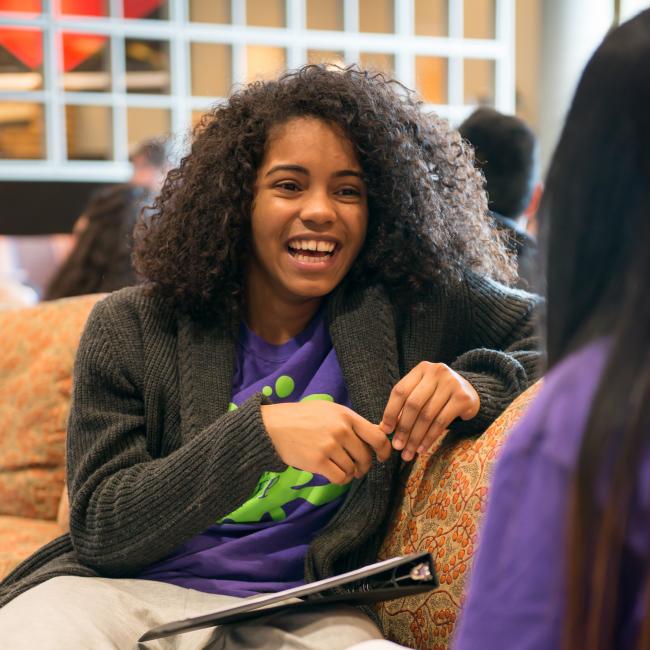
21 536
443 499
38 348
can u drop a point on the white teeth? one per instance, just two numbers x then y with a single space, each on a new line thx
309 258
313 245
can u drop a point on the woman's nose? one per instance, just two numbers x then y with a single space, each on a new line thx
318 208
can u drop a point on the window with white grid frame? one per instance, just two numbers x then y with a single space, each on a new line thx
83 81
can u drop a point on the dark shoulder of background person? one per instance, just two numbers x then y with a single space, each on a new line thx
505 150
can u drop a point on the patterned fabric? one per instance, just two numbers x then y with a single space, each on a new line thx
444 497
20 537
38 348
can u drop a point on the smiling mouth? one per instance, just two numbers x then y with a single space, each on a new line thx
312 251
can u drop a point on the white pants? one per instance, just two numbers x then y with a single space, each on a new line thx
70 613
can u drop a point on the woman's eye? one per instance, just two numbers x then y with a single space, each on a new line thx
288 186
349 191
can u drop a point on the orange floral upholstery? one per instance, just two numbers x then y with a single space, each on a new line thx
439 511
38 349
20 537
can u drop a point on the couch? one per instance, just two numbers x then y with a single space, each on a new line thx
443 497
37 351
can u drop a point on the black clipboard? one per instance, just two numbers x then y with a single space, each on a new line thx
395 578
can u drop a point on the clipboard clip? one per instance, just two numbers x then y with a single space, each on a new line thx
421 573
397 577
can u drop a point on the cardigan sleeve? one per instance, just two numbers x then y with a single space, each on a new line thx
502 357
129 509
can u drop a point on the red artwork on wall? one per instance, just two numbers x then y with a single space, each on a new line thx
27 44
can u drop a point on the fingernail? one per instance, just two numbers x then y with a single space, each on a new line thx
407 456
398 443
420 449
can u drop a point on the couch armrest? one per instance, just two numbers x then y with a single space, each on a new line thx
444 496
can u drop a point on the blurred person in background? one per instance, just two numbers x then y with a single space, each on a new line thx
564 554
151 162
100 260
506 152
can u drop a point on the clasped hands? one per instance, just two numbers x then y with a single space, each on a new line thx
332 440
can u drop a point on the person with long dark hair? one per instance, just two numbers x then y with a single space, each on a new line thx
100 260
322 272
564 553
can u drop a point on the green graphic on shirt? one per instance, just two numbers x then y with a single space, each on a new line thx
323 396
284 386
277 489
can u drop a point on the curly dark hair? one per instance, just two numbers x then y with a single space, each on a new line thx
427 211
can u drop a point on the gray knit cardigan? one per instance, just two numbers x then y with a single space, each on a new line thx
155 457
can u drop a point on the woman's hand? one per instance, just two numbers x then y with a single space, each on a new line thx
324 438
424 403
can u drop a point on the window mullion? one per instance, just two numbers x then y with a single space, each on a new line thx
504 65
238 53
455 70
118 87
297 23
55 146
179 67
404 28
351 25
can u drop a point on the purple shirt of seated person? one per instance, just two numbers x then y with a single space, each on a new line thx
516 596
261 546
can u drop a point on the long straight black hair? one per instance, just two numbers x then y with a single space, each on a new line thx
595 218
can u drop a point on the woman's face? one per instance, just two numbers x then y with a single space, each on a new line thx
310 211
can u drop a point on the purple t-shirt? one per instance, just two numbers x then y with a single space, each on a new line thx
261 546
517 589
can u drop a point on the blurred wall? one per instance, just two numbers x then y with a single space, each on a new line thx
527 61
630 8
571 31
554 41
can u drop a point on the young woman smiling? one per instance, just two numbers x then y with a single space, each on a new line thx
322 273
